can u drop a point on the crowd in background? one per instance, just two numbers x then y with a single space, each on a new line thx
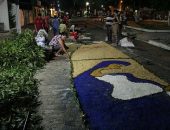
49 23
58 25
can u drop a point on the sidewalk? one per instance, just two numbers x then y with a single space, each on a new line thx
59 108
5 35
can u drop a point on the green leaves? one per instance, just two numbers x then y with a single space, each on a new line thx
20 58
22 51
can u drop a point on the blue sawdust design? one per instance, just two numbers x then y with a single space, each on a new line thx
104 112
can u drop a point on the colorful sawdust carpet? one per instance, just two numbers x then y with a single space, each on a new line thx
121 101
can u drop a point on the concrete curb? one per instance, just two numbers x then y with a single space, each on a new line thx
155 43
148 30
159 44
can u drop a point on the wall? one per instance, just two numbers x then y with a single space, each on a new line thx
4 18
25 16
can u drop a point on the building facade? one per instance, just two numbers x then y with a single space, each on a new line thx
4 17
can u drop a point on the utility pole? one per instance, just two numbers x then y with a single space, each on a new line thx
18 24
134 5
168 18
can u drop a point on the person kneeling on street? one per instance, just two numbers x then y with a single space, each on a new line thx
41 38
58 44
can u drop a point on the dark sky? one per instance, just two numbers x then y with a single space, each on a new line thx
66 4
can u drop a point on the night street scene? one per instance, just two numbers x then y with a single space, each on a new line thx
84 64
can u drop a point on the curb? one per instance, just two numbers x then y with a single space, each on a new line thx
148 30
152 42
155 43
159 44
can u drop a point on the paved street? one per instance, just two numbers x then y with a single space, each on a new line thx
153 58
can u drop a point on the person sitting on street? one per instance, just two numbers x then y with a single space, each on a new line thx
41 38
58 44
74 32
75 28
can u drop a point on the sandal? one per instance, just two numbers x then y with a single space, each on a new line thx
57 55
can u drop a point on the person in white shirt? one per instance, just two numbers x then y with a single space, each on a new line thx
41 38
115 28
108 24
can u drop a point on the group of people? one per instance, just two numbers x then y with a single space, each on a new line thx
114 24
59 27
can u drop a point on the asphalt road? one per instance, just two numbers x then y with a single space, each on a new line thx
155 59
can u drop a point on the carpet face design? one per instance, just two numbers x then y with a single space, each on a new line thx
121 101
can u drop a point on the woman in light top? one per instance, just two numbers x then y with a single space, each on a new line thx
58 44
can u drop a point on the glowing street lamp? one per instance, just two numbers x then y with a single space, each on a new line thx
120 5
87 4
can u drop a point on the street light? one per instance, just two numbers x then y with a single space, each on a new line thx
87 4
121 5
